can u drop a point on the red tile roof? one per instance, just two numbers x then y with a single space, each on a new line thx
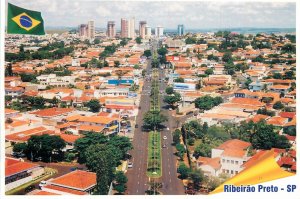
52 112
23 136
14 166
79 180
289 115
63 189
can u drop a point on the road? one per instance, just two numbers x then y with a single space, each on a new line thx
171 184
137 178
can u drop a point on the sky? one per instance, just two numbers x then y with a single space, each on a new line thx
193 14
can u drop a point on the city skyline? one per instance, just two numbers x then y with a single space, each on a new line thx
167 14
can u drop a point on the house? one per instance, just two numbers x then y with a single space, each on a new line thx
10 113
14 91
18 172
52 116
227 158
77 182
57 81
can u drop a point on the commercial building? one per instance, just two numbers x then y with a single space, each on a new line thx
142 29
83 30
148 32
111 29
74 183
228 158
124 28
180 30
18 172
87 31
91 30
159 31
131 28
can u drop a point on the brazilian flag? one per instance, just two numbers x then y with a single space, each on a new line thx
22 21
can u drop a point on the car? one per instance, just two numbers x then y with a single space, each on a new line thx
168 129
136 126
130 164
170 109
42 183
165 137
164 146
29 188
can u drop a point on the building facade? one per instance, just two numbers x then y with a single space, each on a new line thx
111 29
180 30
142 29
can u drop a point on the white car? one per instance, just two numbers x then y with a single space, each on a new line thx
168 129
42 183
130 164
165 137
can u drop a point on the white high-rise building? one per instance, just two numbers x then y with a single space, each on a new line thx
159 31
148 32
131 28
91 30
142 29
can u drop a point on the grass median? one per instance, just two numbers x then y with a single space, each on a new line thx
154 155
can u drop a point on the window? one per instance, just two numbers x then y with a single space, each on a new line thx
236 172
231 171
223 160
236 162
228 161
232 161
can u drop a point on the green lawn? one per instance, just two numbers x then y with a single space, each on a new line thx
154 160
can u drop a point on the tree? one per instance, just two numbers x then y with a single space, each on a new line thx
180 150
278 105
99 160
90 138
97 41
94 105
288 48
122 143
227 57
8 70
197 176
27 77
265 137
121 178
209 71
277 76
20 147
169 90
179 80
138 40
153 119
43 146
203 150
117 64
120 188
172 99
207 102
183 170
147 53
176 136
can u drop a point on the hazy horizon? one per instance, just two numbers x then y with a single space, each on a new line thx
193 14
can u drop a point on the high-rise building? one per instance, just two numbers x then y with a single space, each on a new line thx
111 29
142 29
131 28
159 31
83 30
148 32
180 30
91 30
124 28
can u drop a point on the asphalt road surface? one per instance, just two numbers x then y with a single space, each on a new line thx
138 182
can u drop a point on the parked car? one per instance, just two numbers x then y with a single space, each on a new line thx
29 188
136 126
164 146
42 183
130 164
165 137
